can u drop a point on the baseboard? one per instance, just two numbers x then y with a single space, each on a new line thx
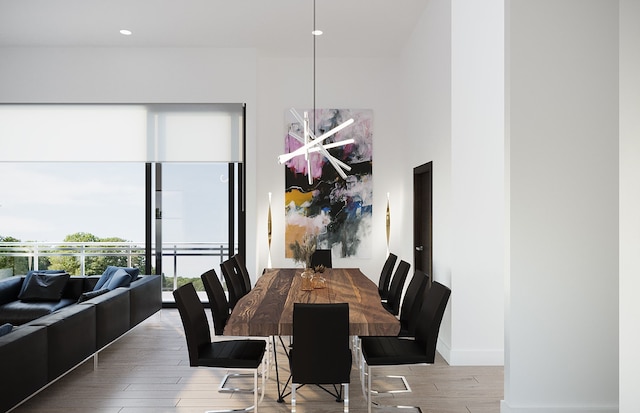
506 408
471 357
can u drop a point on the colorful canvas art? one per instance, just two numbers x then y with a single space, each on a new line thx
337 211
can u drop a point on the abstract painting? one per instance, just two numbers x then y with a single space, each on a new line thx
337 211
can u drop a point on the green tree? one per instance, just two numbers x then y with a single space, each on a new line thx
94 265
6 262
20 265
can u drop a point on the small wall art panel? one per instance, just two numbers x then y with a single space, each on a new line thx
337 211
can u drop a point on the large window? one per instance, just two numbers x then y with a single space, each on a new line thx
155 186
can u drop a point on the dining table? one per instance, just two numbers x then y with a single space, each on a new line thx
267 309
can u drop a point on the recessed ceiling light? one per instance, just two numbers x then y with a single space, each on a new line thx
126 32
316 32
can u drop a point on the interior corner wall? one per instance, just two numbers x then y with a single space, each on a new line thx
426 80
477 182
456 120
562 333
629 204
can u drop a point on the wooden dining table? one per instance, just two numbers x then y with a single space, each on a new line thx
267 310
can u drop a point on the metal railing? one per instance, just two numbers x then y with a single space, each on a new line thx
131 254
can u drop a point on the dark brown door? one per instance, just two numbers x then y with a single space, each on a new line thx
422 219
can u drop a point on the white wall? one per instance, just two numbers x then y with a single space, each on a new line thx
456 119
562 321
629 204
477 165
426 74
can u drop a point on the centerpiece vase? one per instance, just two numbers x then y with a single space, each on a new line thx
307 279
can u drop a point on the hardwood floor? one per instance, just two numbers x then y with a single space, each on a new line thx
148 371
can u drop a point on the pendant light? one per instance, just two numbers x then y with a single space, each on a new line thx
311 143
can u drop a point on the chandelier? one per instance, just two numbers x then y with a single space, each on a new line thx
310 142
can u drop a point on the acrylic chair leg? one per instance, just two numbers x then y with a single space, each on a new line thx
345 397
255 389
293 398
368 389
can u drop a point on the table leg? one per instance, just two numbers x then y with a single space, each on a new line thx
281 391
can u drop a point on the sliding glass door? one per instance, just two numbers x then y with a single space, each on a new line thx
194 221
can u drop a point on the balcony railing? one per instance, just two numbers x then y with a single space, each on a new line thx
32 255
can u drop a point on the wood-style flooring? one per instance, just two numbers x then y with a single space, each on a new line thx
147 371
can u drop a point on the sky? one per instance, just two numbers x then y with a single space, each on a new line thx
47 201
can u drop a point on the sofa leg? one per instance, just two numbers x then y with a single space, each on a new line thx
95 361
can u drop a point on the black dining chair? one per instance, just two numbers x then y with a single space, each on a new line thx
321 257
220 314
385 276
234 282
321 353
392 304
241 268
239 354
412 303
382 352
217 300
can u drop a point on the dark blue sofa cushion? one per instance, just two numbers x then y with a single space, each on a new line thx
43 287
30 274
91 294
5 329
120 278
110 271
18 312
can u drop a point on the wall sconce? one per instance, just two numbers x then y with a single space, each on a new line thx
269 231
388 224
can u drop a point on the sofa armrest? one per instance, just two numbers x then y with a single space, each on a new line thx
23 357
146 298
10 288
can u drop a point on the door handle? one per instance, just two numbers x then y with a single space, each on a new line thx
420 248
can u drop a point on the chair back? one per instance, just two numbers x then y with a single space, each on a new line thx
234 282
412 302
321 257
217 300
241 268
385 275
397 285
434 303
321 353
194 320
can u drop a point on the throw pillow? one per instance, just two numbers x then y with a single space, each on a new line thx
30 273
105 277
5 329
43 287
91 294
120 278
108 273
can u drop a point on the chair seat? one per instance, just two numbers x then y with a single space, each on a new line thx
325 373
389 351
238 354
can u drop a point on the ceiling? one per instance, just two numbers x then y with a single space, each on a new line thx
358 28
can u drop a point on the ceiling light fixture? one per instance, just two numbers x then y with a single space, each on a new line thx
311 143
126 32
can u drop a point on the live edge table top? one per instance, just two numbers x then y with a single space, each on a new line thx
267 310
